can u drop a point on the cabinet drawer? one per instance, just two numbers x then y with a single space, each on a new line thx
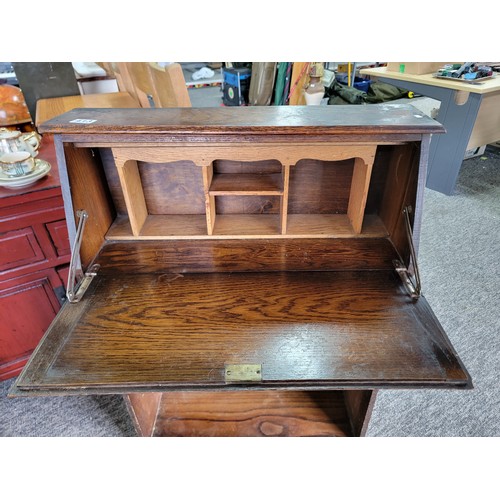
59 234
19 248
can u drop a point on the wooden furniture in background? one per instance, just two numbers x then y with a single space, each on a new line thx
94 79
170 86
470 114
246 276
140 77
150 84
49 108
34 257
123 79
43 80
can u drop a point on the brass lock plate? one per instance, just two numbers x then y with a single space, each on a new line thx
242 373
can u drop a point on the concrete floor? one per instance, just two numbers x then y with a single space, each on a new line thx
205 97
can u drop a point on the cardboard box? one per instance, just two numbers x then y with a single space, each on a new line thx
415 68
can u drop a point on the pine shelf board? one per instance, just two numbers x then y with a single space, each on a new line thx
166 227
247 184
160 227
333 226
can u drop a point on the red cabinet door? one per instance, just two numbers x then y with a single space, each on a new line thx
19 248
28 305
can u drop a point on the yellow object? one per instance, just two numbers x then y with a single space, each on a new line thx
317 70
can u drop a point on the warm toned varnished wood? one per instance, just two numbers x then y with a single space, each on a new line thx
47 109
130 179
245 123
402 172
286 154
284 198
86 189
174 188
253 414
123 79
359 193
169 86
238 255
208 174
247 184
195 276
359 406
143 409
179 330
140 78
245 226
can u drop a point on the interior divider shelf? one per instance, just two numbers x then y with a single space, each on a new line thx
243 183
247 184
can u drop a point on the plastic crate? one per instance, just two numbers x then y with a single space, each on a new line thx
359 83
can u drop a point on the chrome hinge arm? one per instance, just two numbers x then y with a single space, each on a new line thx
412 286
78 282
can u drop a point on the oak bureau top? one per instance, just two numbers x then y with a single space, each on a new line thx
235 122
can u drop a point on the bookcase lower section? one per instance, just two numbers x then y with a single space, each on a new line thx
247 413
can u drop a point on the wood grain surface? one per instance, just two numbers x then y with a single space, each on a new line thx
247 184
246 225
47 109
359 406
253 414
143 410
306 329
236 121
89 191
236 255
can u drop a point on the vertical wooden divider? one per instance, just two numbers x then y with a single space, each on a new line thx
359 192
284 198
208 173
130 181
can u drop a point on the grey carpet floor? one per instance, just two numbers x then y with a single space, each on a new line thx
460 270
459 261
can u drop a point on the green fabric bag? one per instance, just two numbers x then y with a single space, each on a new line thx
378 92
382 92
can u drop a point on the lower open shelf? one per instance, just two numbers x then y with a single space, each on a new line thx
164 227
250 413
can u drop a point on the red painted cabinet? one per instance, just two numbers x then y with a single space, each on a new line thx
34 257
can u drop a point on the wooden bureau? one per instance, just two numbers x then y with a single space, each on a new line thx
249 271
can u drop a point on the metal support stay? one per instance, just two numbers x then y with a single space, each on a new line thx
412 285
78 282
